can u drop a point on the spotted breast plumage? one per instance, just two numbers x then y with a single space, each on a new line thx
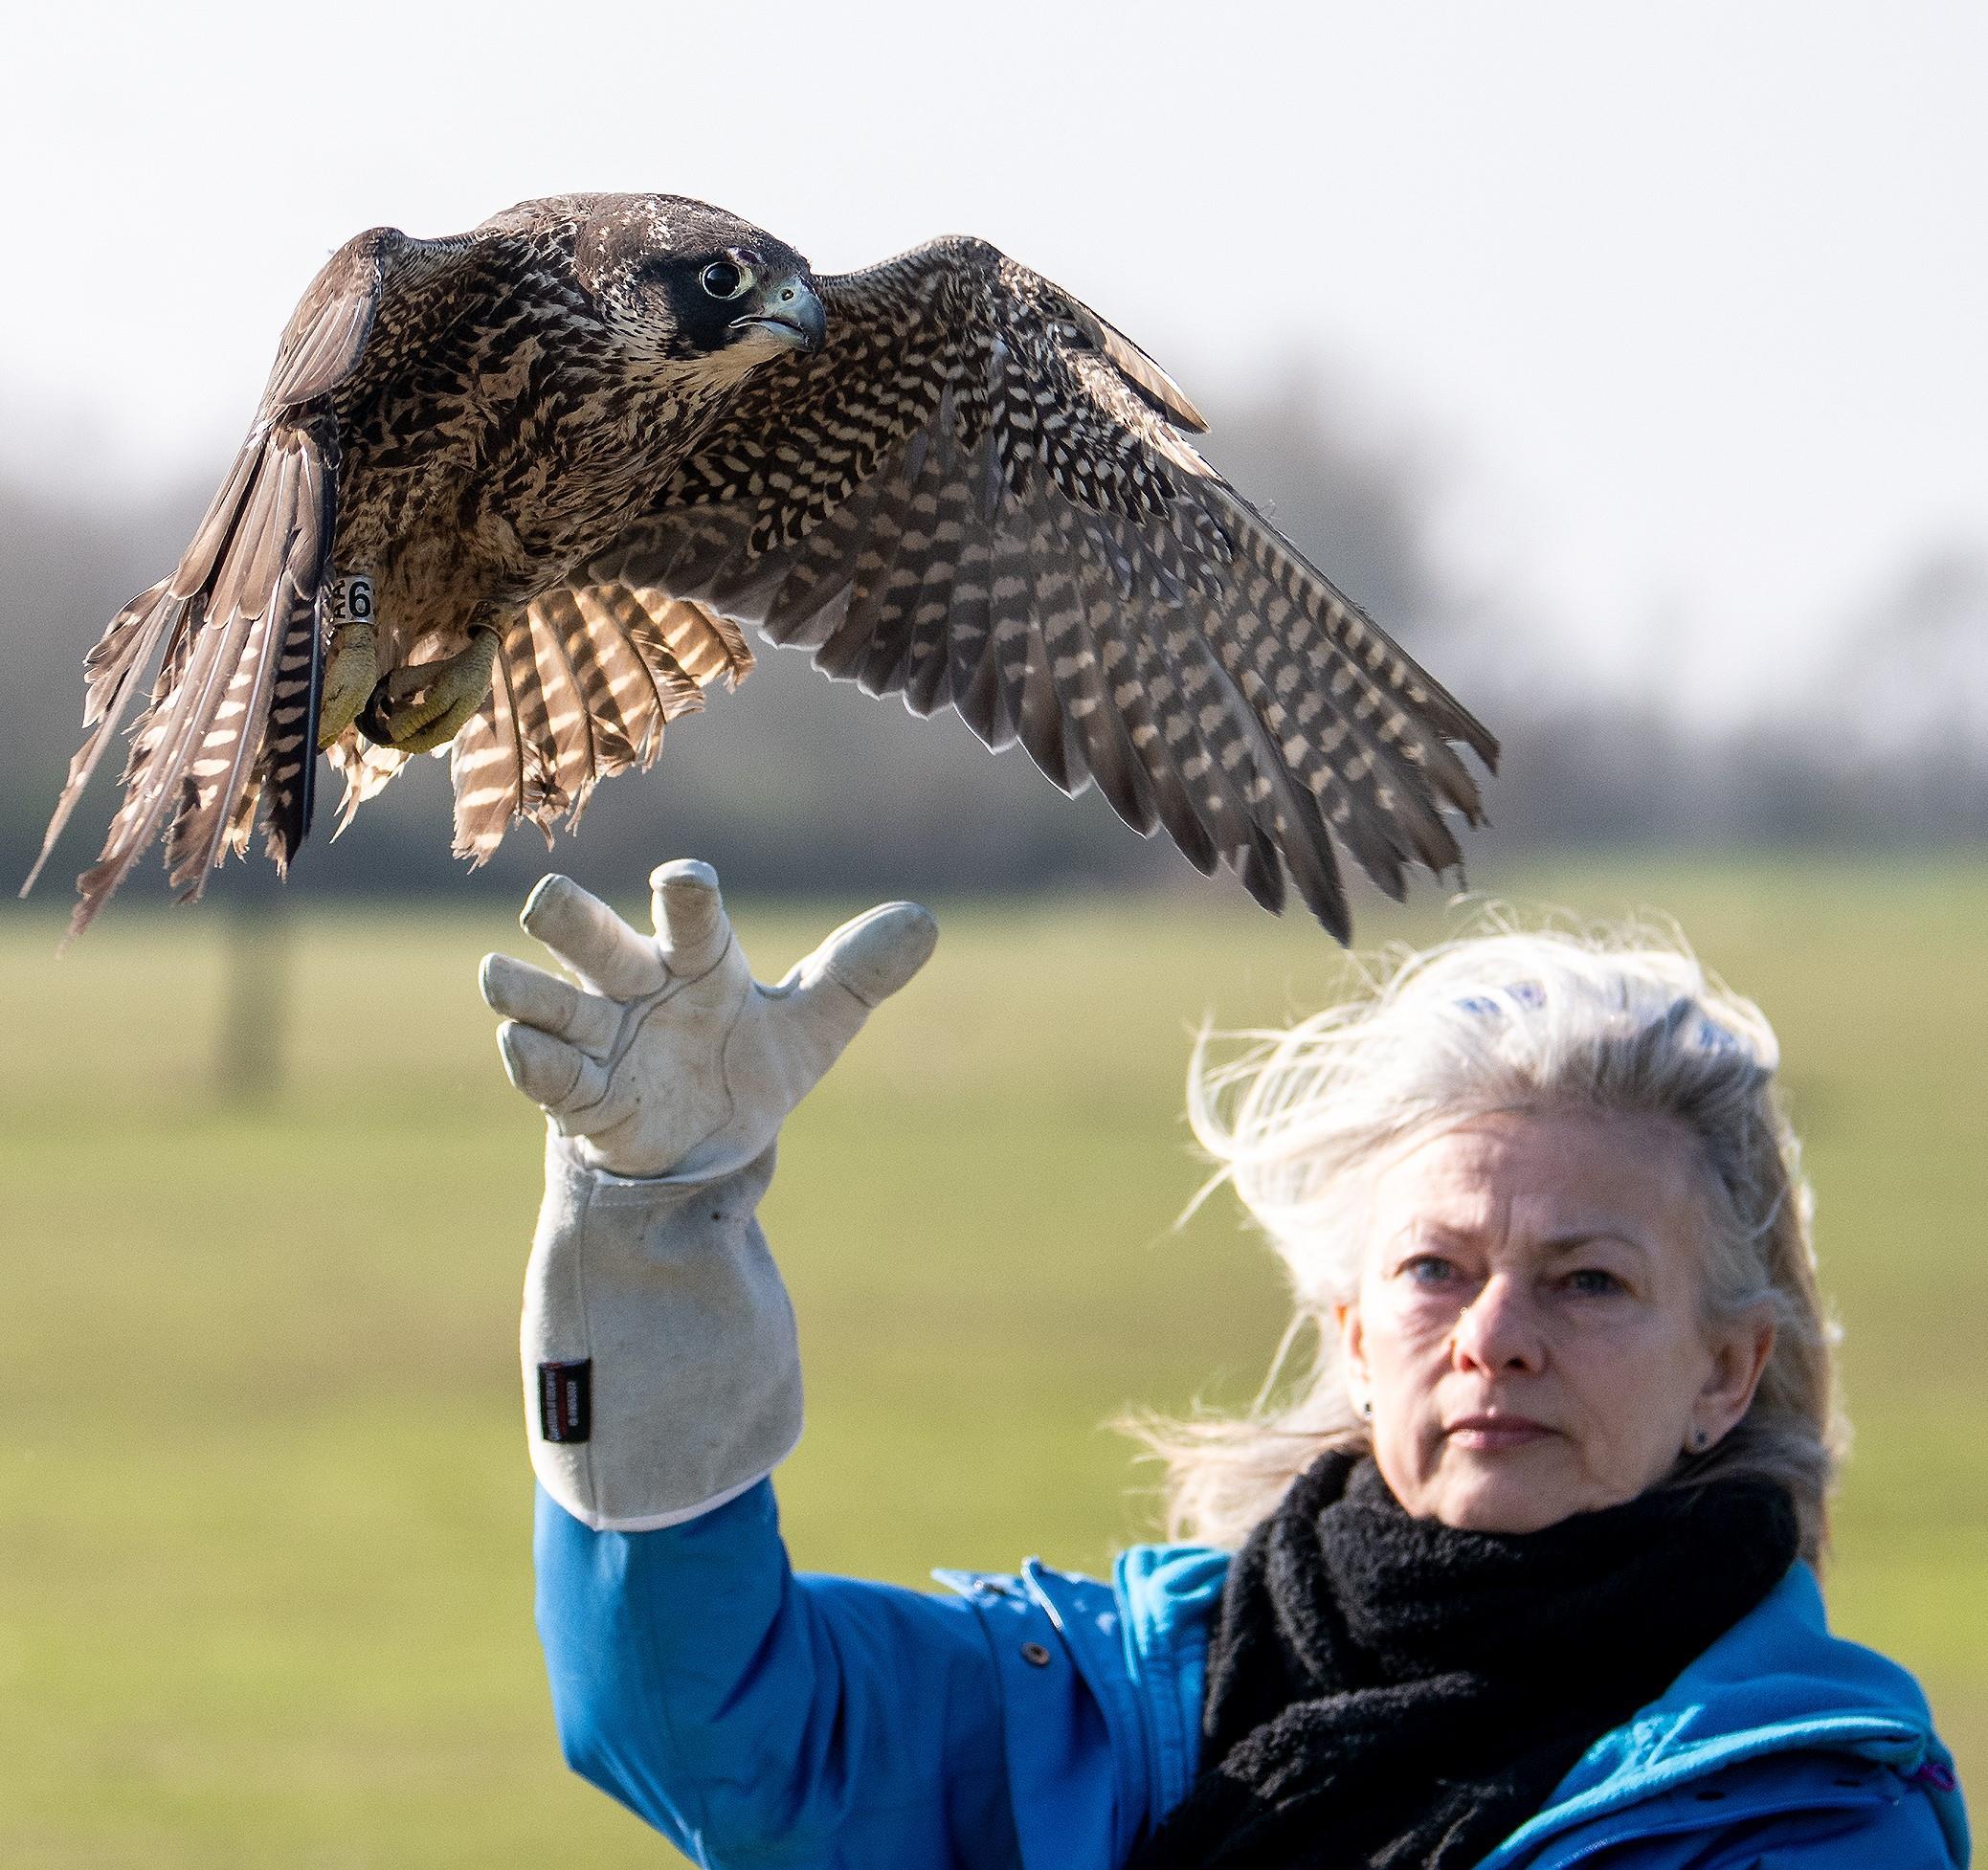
519 492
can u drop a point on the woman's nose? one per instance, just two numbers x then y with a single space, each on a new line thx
1499 1331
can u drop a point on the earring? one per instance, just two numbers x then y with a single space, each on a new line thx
1367 1411
1701 1441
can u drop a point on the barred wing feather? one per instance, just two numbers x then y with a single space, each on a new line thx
978 494
230 721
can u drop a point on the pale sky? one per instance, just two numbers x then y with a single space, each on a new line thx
1690 300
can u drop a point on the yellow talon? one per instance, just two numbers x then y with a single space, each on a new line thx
348 679
423 705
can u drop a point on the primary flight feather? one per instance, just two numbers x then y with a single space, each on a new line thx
517 490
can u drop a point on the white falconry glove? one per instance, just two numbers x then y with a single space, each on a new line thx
661 1373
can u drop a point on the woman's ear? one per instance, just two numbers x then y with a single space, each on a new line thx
1352 1345
1739 1352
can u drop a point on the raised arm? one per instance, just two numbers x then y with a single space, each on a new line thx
756 1718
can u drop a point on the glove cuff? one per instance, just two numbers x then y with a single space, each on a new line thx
661 1366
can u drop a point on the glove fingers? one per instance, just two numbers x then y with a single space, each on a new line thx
591 940
519 990
691 925
549 1071
880 950
861 965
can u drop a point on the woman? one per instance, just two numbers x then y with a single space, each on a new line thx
1526 1575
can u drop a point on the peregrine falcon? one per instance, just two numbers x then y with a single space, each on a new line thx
517 492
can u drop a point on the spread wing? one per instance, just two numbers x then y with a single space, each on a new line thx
981 494
231 719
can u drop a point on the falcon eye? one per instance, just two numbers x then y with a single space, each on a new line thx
722 279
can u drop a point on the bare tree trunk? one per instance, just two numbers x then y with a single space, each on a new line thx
255 989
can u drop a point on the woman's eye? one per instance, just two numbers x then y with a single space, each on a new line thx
1428 1269
1591 1282
722 279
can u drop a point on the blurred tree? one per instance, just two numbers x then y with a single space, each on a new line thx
256 982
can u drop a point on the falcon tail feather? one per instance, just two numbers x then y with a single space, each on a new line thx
586 681
614 736
576 754
288 770
491 764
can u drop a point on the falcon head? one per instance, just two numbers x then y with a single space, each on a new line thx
681 283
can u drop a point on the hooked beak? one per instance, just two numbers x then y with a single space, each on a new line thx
791 312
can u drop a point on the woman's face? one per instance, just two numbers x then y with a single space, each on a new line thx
1529 1327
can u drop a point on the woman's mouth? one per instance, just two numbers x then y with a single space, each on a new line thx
1491 1434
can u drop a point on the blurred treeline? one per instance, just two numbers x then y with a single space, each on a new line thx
1877 735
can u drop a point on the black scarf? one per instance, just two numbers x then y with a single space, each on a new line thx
1388 1691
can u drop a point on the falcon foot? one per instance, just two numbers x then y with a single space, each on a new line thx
348 679
420 707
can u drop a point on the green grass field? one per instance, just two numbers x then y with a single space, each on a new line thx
264 1505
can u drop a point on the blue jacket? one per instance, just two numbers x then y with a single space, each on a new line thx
1042 1722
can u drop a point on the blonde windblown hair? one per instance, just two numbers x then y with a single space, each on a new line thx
1618 1019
